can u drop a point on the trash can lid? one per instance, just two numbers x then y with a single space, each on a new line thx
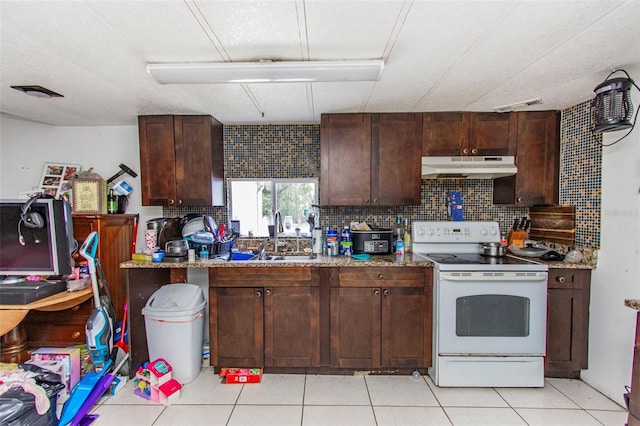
175 300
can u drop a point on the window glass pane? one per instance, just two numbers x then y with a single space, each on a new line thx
294 200
251 205
253 202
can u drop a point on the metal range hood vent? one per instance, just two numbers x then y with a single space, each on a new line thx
478 167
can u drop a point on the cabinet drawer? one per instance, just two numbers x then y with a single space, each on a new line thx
75 315
260 277
372 277
47 335
568 278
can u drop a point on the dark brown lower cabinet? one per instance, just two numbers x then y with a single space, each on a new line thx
634 399
264 317
568 298
381 318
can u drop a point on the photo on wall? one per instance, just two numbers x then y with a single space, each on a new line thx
55 180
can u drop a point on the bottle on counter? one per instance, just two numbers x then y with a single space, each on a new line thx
399 247
398 234
346 244
112 202
317 240
332 237
407 236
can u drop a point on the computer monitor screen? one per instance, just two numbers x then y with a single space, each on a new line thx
38 244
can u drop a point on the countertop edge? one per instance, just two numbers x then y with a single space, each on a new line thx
632 303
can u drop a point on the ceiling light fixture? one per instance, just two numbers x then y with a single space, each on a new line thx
518 105
267 72
38 91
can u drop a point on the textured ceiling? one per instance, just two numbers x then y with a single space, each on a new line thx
439 55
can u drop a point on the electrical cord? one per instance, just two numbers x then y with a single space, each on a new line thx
633 125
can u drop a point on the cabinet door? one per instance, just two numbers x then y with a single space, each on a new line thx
405 329
345 156
237 327
291 322
567 322
198 146
444 133
492 133
537 159
115 238
355 327
157 160
395 159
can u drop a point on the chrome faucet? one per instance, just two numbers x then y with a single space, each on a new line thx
277 228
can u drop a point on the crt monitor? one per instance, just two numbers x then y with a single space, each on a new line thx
36 237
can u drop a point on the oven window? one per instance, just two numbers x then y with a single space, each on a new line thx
492 315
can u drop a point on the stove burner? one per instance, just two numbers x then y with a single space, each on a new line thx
473 259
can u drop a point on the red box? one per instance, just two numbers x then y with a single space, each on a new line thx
241 375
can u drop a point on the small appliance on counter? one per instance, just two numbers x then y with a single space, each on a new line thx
375 241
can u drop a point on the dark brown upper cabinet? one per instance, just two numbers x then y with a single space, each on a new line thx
537 159
181 160
468 133
370 159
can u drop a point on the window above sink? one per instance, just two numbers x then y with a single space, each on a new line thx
253 202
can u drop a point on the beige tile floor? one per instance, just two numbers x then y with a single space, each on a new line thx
283 399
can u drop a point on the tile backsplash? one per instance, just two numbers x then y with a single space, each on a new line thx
293 151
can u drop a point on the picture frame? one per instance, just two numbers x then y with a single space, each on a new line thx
89 196
55 179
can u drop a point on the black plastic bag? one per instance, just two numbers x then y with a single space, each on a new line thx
18 408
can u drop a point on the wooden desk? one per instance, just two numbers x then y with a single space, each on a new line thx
12 315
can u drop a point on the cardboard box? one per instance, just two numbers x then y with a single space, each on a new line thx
66 362
241 375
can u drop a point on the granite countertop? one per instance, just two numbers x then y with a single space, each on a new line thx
632 303
320 261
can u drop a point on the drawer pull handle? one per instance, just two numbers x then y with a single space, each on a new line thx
381 277
76 308
267 292
75 335
386 292
376 292
258 293
560 279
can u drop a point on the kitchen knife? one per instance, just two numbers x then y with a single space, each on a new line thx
515 224
522 222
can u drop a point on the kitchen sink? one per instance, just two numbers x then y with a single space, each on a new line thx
292 258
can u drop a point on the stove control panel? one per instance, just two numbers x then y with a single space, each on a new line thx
455 232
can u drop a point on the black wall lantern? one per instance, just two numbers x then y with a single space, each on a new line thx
611 109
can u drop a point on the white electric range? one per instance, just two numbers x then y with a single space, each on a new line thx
489 327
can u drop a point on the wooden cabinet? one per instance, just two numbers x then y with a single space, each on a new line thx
568 297
181 160
381 318
370 159
115 239
264 317
468 133
634 398
59 328
538 162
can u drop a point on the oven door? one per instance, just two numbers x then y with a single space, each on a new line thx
491 313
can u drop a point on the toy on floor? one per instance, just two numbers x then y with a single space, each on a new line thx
153 382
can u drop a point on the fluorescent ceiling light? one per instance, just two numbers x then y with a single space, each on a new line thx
266 72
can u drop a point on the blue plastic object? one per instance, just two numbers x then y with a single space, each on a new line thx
241 256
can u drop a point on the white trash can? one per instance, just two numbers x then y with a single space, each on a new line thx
173 319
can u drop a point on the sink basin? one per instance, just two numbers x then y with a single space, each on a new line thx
292 258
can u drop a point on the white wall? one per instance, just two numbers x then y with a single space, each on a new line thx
617 277
26 146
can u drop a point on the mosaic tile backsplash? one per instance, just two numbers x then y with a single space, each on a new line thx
293 151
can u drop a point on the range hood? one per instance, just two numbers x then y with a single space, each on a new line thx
471 167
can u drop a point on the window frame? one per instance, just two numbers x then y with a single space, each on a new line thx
274 198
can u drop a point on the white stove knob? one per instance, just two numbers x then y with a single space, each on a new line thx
484 231
430 231
493 231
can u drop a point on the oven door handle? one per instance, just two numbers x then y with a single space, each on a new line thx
539 276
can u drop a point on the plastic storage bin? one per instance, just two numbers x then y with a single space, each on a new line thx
173 319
